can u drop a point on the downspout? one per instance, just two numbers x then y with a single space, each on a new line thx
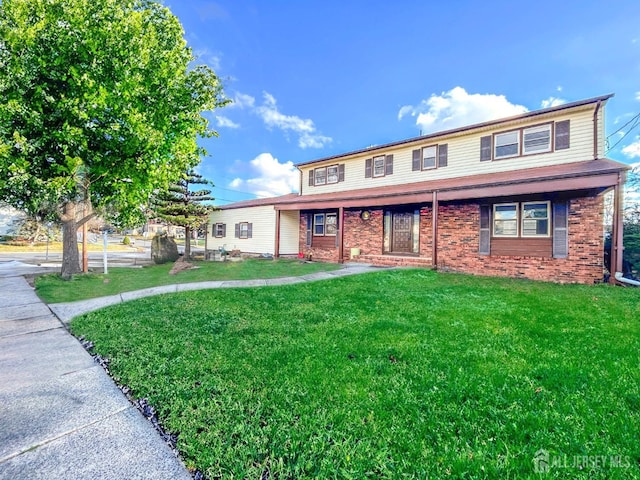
595 130
434 231
300 180
617 247
277 242
620 278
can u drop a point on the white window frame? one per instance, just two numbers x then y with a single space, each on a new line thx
547 218
244 230
320 179
535 130
328 221
516 219
496 144
382 164
424 157
218 230
332 174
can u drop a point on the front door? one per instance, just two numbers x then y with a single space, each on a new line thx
402 233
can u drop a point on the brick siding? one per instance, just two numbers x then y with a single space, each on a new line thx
458 240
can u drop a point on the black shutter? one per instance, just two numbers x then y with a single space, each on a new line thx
249 230
485 149
237 230
388 165
311 177
309 227
560 229
213 230
415 160
443 151
341 172
368 167
485 230
562 135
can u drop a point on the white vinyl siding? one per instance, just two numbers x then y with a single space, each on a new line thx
263 229
464 155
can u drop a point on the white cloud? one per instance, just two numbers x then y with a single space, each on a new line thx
273 118
632 150
242 100
269 177
552 102
638 96
225 122
457 108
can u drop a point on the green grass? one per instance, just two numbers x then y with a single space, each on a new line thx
394 374
53 289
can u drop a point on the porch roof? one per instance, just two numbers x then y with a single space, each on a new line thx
600 173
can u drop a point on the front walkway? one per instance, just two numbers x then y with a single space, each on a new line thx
66 311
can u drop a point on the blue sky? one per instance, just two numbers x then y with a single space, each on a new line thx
310 79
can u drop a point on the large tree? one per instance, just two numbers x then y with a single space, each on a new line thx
181 205
100 105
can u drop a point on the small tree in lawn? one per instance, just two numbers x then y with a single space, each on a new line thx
182 206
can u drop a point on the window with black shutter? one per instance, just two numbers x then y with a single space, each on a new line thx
560 229
562 135
485 230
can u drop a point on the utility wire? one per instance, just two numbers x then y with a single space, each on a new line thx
634 122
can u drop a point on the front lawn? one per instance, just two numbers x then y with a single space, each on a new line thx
394 374
53 289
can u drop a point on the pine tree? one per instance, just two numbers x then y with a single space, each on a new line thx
181 206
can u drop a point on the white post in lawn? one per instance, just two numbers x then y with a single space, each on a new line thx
104 253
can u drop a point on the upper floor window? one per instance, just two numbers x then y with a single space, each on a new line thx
320 176
536 139
326 175
525 141
506 144
379 166
427 158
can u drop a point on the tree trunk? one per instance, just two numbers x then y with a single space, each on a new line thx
187 243
70 257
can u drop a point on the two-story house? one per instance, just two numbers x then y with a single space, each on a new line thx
519 197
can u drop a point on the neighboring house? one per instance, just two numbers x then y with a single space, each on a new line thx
518 197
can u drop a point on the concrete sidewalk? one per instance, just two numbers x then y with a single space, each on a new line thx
66 311
61 416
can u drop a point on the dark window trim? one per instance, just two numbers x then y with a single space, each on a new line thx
215 230
248 232
521 153
387 166
520 219
339 175
441 157
324 224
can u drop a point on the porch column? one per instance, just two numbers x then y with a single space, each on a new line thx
276 254
617 229
341 235
434 232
